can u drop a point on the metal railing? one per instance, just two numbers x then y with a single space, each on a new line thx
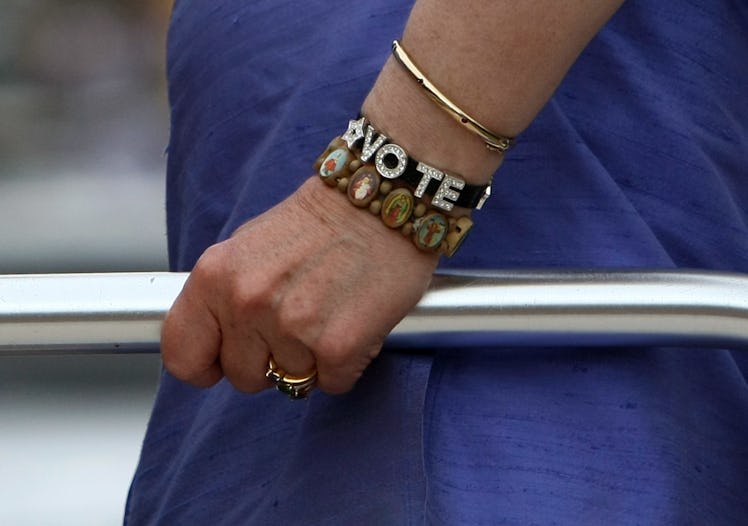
112 313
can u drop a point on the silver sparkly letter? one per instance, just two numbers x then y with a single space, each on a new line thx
370 147
399 154
429 173
446 195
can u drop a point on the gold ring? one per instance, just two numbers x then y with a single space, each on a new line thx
295 387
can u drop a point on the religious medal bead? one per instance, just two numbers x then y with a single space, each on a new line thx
335 162
397 207
363 186
335 143
430 231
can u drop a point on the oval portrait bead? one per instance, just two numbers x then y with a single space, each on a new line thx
397 208
431 230
363 186
335 165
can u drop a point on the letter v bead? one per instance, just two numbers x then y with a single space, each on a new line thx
370 147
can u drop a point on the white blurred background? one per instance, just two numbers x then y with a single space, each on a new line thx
83 128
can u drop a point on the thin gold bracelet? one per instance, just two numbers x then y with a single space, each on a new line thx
494 142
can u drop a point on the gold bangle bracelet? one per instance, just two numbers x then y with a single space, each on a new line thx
496 143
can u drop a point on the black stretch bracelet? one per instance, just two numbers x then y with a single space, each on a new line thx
471 196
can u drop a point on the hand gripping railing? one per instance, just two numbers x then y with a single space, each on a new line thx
124 312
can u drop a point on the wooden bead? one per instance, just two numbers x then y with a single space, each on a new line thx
335 164
385 188
375 207
336 143
407 229
458 234
419 210
343 184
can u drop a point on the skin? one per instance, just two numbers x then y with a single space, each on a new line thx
326 299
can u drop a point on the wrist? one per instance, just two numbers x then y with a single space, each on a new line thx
398 107
358 228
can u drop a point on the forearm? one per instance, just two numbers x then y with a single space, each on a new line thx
500 61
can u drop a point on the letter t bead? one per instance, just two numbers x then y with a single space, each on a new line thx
429 173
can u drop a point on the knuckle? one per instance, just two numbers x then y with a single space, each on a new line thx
211 263
336 350
296 315
248 294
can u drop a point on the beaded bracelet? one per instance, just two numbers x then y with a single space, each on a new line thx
397 206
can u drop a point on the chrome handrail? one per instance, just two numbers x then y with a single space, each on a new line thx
123 312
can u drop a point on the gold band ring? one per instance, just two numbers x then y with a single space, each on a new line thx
295 387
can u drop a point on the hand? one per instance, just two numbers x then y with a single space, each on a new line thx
314 282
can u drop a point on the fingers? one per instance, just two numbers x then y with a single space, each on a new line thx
314 294
190 341
340 357
246 350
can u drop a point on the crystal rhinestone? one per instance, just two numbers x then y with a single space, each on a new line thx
355 132
391 161
371 145
446 194
429 173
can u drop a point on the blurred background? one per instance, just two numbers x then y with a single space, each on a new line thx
83 129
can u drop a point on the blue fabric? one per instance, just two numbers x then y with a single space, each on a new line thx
639 160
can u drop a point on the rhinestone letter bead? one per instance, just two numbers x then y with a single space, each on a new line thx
391 170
